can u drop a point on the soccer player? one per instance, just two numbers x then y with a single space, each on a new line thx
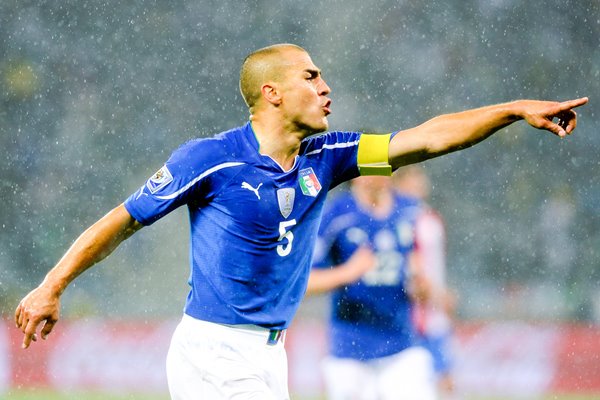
254 195
433 316
364 256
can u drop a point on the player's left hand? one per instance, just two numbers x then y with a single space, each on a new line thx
39 308
541 115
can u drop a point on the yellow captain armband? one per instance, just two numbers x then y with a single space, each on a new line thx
373 158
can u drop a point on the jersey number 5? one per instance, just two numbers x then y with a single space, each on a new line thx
285 248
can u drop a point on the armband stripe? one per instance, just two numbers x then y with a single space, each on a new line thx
373 154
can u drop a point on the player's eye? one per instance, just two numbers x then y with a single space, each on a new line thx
311 75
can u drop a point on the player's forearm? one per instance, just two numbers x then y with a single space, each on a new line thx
451 132
92 246
319 282
325 280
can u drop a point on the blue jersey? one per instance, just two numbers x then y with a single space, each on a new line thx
371 317
253 225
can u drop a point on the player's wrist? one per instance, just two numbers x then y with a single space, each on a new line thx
515 110
54 286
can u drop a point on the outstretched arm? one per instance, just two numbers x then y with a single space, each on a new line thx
325 280
42 305
452 132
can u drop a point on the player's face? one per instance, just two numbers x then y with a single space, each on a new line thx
304 95
374 184
414 182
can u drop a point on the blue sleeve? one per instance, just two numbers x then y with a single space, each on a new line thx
181 178
339 151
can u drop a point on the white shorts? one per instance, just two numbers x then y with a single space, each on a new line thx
213 361
407 375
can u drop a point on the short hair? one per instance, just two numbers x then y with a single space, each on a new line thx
262 65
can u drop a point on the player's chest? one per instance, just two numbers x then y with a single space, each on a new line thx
395 233
267 196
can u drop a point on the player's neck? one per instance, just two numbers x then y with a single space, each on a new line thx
276 142
378 204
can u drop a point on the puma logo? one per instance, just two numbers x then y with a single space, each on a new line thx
246 185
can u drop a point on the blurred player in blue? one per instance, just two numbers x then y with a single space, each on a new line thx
433 315
255 195
365 257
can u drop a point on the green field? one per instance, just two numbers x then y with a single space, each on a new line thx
38 394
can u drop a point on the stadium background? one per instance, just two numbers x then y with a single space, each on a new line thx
94 96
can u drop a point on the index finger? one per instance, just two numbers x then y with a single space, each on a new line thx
29 333
569 104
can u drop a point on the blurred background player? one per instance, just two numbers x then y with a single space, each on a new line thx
433 315
364 257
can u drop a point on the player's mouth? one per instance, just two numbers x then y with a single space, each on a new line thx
326 108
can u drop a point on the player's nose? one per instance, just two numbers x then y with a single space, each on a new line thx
324 89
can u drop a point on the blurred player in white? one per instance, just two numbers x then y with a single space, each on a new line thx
364 257
433 316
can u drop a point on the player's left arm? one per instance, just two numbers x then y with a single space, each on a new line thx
323 280
452 132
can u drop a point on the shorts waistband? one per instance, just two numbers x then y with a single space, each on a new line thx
274 335
268 336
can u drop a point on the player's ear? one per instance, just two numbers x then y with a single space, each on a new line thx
271 93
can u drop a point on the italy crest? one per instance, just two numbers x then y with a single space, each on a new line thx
309 183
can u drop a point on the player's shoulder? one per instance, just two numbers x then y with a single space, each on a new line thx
222 147
409 206
329 140
339 199
430 214
409 201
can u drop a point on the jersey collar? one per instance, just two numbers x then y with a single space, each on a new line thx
252 141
